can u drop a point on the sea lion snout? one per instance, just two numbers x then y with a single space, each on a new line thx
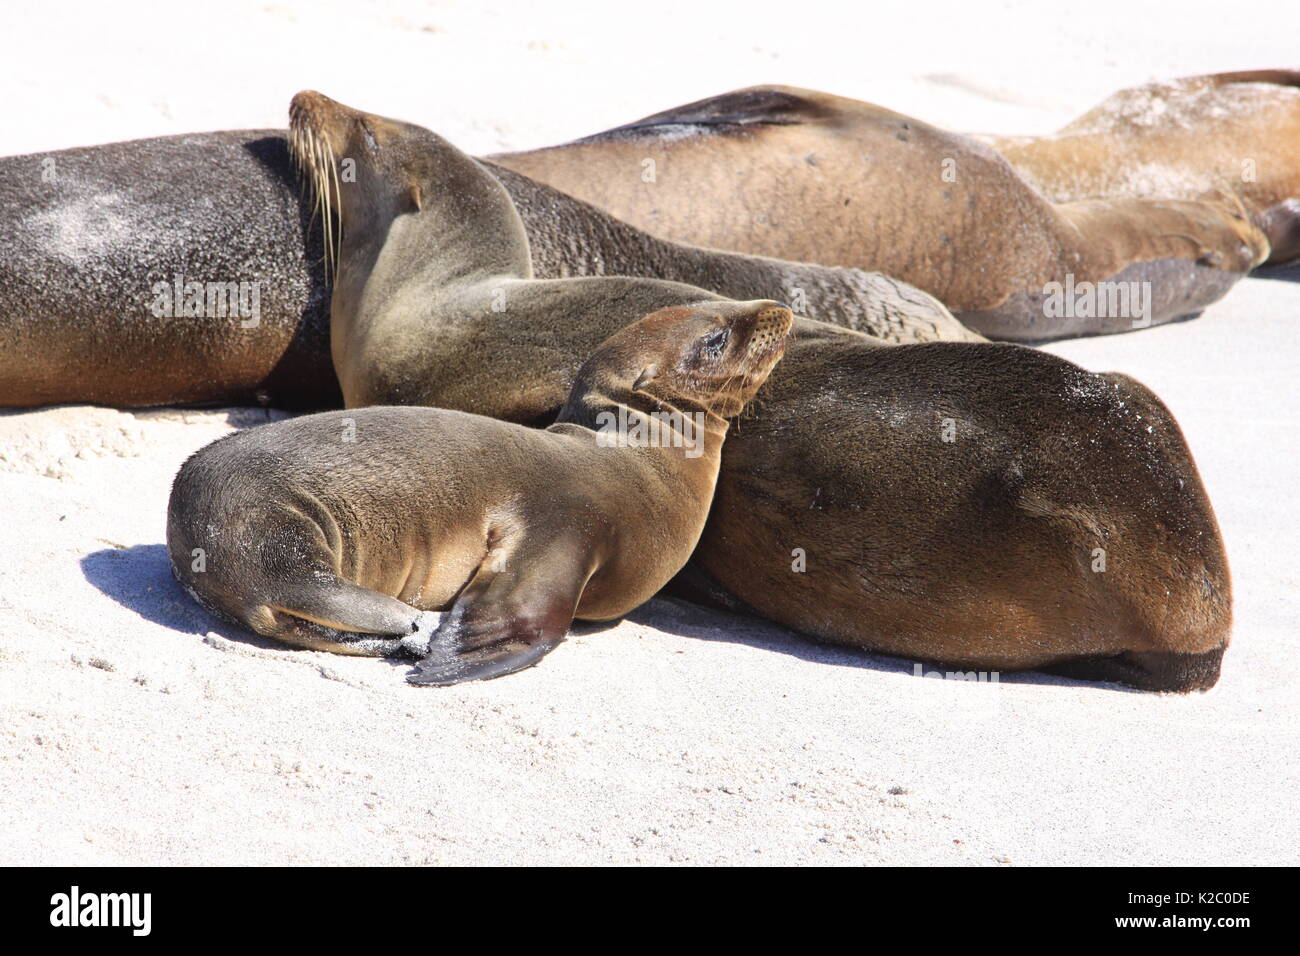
316 113
1245 243
765 323
316 141
771 327
716 353
760 330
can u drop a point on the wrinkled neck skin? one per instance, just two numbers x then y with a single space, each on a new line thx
592 404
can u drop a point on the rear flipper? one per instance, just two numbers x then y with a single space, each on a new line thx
328 613
1281 223
507 620
1155 671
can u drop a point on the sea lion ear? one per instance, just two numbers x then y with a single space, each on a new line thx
648 375
417 196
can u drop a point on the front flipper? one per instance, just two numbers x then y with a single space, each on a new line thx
507 620
483 649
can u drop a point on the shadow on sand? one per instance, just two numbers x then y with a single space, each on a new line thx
678 616
140 579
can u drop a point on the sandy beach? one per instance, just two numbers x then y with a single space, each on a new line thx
136 729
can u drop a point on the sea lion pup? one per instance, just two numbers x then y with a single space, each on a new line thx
939 210
191 270
978 504
1179 139
334 531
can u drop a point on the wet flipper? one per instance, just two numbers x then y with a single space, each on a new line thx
505 621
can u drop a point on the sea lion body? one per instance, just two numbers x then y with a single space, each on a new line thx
812 177
843 455
333 531
89 236
107 259
991 507
1180 139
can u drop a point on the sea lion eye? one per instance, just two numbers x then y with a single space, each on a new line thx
715 341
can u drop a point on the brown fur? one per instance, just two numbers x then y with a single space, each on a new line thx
812 177
332 531
977 551
82 253
1234 132
980 551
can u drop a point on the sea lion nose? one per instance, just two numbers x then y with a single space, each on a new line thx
308 99
318 108
772 322
776 317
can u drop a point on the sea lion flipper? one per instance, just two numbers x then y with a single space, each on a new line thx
507 648
1281 223
489 642
506 621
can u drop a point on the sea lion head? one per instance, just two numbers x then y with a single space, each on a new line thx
361 167
1232 222
712 356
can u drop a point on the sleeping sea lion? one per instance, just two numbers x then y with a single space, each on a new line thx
802 175
187 269
1234 132
334 531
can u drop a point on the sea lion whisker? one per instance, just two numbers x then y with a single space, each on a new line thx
332 200
308 172
314 158
327 223
295 150
337 225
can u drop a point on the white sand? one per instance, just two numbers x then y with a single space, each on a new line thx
135 730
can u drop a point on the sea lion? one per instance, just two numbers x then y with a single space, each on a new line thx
752 169
1179 139
334 531
991 507
1063 525
167 271
432 258
186 269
